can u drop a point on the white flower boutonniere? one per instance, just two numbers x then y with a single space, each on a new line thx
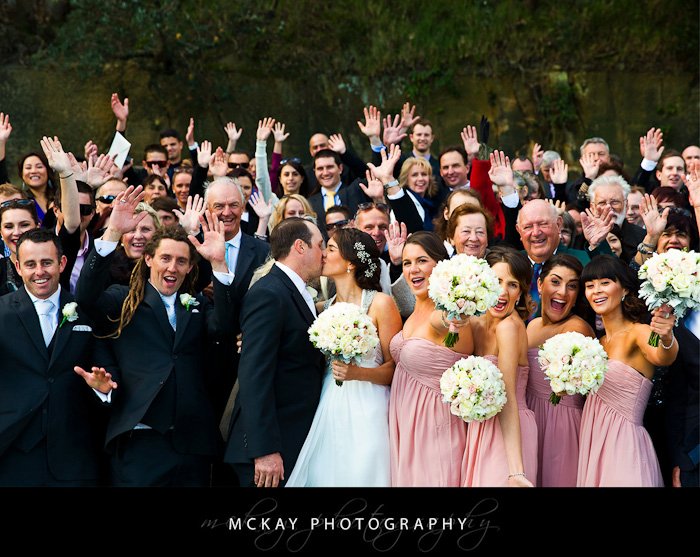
188 301
69 312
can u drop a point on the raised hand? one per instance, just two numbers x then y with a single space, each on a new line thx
57 157
219 163
264 128
385 171
278 133
537 155
161 173
337 143
123 219
189 220
374 188
396 237
692 182
120 110
650 145
5 127
470 140
590 166
654 222
189 136
213 248
559 205
559 173
90 150
500 172
262 209
407 116
204 154
98 170
372 126
233 133
597 227
393 134
99 379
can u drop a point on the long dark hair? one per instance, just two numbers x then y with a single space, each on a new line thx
358 247
611 267
304 187
50 177
522 271
430 242
581 307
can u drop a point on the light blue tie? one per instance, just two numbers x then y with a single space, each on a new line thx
171 314
46 319
229 256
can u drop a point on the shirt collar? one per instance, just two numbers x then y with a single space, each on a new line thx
55 297
236 240
294 277
533 262
167 299
334 190
86 244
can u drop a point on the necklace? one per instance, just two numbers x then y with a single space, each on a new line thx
608 338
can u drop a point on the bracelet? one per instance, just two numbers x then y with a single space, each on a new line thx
391 184
65 177
516 474
260 236
661 342
444 322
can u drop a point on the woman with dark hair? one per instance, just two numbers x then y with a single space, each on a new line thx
470 229
557 426
614 239
502 451
39 182
615 449
427 440
292 178
454 200
348 443
16 217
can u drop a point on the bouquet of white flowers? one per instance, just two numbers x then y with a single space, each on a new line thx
474 389
573 363
671 278
463 286
344 332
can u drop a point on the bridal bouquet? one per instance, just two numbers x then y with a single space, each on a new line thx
463 286
474 389
671 278
573 364
344 332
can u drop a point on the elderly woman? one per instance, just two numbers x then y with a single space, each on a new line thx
469 230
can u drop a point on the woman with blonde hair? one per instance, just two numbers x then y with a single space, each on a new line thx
417 179
293 205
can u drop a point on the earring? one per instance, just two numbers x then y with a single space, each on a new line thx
348 269
623 297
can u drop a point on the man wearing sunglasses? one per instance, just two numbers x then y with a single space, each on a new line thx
106 193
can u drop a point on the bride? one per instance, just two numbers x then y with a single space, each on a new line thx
348 443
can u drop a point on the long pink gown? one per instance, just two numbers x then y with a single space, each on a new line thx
615 449
427 441
557 429
486 464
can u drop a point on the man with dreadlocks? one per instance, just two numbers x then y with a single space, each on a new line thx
162 430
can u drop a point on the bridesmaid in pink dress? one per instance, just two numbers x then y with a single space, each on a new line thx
615 449
502 451
557 426
427 441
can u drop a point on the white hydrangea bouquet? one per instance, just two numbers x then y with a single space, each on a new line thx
461 287
344 332
474 389
573 364
671 278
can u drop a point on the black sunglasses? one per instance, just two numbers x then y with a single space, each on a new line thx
233 165
295 160
339 224
161 164
85 210
17 203
106 199
372 205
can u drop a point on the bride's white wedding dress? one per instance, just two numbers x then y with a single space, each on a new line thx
348 443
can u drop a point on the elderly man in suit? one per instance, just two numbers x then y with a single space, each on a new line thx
162 429
51 424
280 372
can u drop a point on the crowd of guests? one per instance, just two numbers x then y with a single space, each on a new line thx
156 316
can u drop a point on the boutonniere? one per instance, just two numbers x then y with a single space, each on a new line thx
188 301
69 312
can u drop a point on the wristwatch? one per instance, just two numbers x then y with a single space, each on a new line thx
391 184
645 249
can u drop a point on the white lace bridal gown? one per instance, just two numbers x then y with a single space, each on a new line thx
348 443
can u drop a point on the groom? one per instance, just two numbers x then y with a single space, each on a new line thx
280 371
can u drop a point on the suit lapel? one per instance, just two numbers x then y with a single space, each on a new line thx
30 320
245 259
154 301
183 317
297 298
62 333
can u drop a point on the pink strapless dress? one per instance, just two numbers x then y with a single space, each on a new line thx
557 429
486 464
615 449
427 441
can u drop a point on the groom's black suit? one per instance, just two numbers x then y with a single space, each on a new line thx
280 375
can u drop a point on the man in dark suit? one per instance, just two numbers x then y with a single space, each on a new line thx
162 429
280 371
51 424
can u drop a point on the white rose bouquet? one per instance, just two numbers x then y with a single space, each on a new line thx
474 389
344 332
573 364
671 278
463 286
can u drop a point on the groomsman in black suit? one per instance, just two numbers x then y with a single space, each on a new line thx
162 430
280 371
51 423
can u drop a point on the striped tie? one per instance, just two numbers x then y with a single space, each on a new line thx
329 200
534 293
